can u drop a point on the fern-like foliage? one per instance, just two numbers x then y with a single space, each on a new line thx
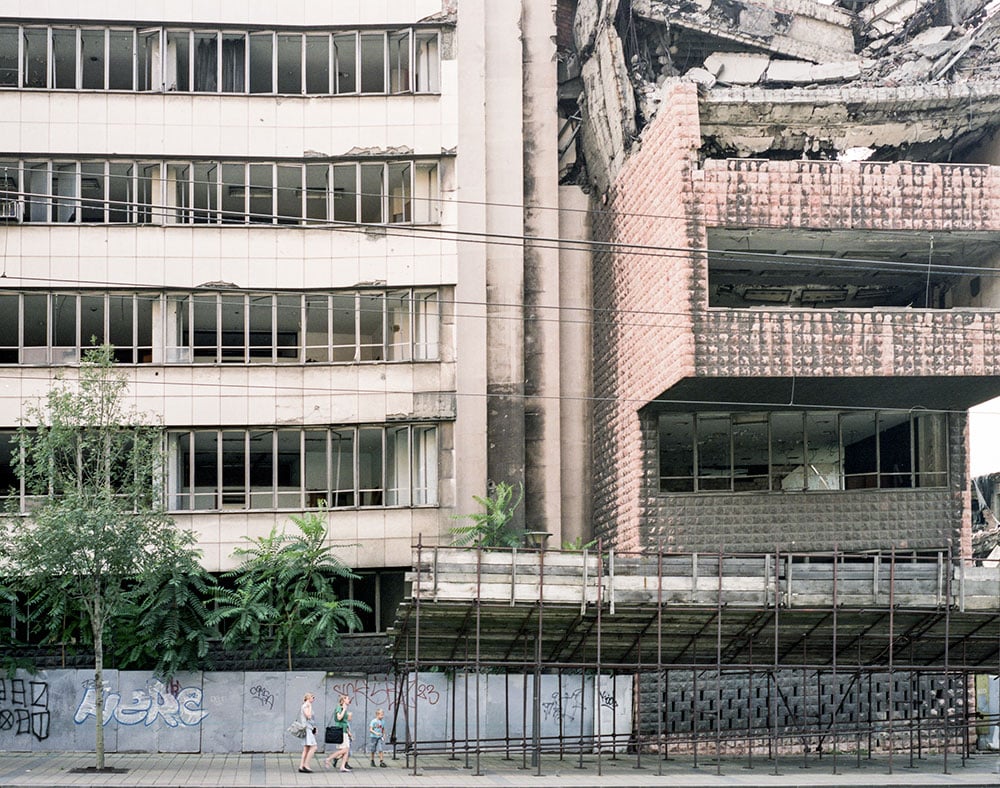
493 527
283 597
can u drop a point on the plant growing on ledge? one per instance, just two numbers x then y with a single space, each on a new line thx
493 527
283 596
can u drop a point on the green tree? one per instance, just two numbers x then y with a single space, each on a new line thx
494 526
96 531
165 620
283 596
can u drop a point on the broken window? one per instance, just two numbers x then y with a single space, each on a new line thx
65 192
318 64
35 329
795 451
121 63
11 207
234 193
344 327
120 191
289 63
426 326
288 194
93 59
288 469
64 59
65 340
400 188
318 326
262 193
209 61
260 329
179 192
371 327
35 49
399 62
92 192
317 186
370 469
234 62
177 63
234 338
11 488
262 62
341 464
149 65
345 66
288 329
9 328
372 48
205 188
8 57
397 451
345 192
425 193
427 61
372 192
37 191
424 466
292 468
205 62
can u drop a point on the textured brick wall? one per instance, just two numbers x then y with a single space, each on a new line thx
809 521
830 343
676 704
652 330
644 295
850 195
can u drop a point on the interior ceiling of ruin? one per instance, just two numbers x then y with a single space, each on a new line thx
840 79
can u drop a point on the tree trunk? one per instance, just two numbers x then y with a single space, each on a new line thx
98 629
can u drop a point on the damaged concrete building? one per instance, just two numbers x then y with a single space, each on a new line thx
798 239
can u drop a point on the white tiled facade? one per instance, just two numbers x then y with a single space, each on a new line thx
253 339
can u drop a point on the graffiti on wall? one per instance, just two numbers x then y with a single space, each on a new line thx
173 704
567 707
24 708
383 695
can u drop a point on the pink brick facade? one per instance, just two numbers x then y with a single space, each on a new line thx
653 329
645 293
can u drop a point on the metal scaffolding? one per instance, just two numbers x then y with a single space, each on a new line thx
728 656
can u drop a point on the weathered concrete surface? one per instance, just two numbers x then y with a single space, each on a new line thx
607 108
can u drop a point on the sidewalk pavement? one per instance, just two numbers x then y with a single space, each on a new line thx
141 770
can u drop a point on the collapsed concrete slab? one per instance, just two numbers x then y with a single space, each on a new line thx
798 29
927 121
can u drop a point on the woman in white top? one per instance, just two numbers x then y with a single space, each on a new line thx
309 744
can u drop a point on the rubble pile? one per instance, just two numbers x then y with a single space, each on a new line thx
885 79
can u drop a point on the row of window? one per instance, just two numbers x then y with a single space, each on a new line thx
220 61
802 450
215 192
227 327
240 469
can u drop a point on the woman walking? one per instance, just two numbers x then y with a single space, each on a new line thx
309 744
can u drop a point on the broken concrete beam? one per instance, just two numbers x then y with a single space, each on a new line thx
799 29
799 72
887 16
607 109
737 68
591 15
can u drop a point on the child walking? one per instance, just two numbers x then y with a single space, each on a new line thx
376 734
